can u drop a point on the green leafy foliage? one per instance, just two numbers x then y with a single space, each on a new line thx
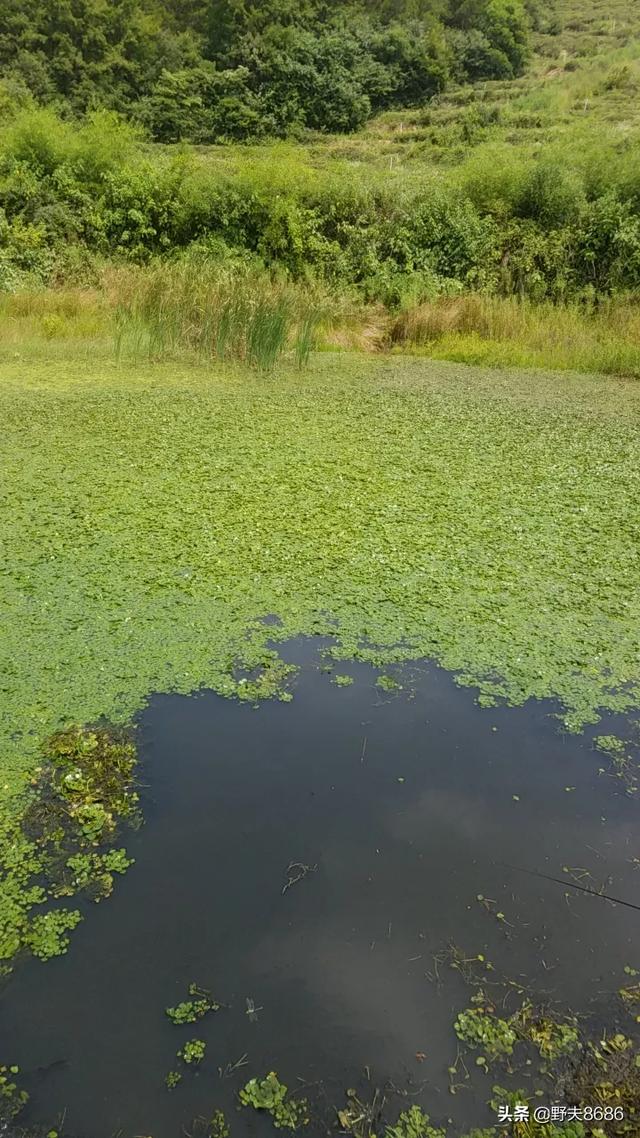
92 871
472 462
190 1011
343 681
388 683
529 189
47 848
221 71
193 1051
270 1095
482 1029
218 1126
414 1123
46 935
552 1037
502 224
12 1097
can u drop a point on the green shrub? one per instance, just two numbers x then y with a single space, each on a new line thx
549 196
475 57
504 23
607 245
493 181
40 139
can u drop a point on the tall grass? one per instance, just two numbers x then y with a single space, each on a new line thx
210 311
482 329
191 310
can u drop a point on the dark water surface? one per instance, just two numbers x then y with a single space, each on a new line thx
405 835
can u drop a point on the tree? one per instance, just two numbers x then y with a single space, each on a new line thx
504 23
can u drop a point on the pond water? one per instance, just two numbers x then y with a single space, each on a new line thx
410 804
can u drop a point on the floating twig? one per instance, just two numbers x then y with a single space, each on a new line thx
297 871
224 1072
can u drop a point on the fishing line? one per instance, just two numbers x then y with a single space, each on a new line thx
571 885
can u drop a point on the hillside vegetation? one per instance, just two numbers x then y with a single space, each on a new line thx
229 69
492 220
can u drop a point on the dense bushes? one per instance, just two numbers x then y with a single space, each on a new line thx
222 69
501 223
497 36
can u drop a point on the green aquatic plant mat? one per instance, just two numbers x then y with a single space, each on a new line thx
153 517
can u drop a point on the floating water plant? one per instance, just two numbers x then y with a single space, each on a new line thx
78 797
388 683
480 1028
12 1097
92 872
270 1095
190 1011
630 993
622 762
553 1038
218 1126
361 1117
193 1051
414 1123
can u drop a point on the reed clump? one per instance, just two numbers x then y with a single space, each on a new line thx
210 310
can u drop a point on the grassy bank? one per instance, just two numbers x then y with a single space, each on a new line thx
503 332
199 310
